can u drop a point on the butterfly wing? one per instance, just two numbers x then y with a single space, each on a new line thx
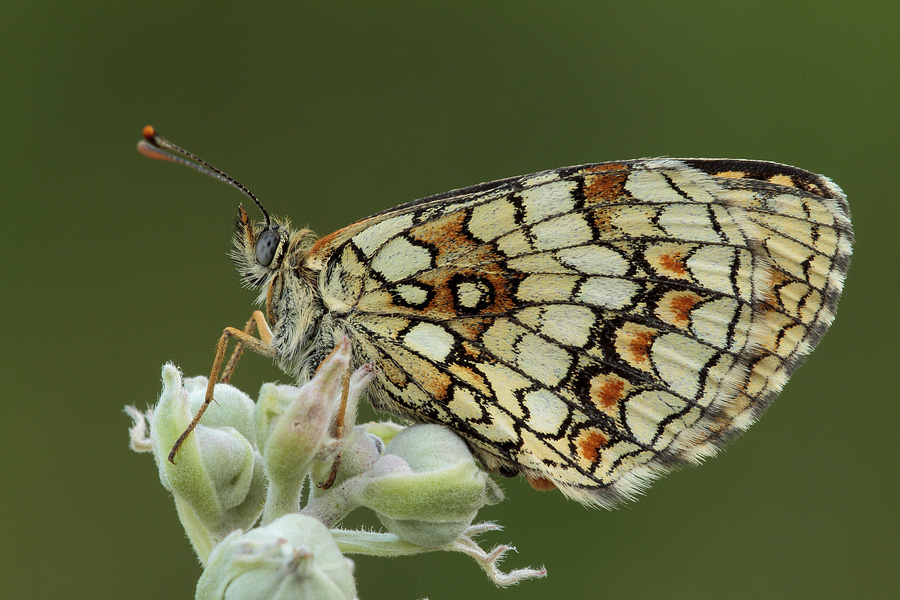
593 326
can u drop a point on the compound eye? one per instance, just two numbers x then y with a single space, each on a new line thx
267 246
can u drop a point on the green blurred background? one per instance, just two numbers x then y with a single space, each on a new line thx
113 264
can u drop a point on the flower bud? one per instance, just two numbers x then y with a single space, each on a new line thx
217 479
295 423
292 557
427 487
273 399
232 407
358 453
296 420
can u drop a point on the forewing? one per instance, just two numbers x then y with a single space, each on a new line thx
594 326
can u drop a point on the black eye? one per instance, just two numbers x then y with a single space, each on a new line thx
266 246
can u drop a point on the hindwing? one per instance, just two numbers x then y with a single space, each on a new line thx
593 326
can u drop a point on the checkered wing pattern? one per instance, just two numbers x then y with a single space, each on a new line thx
592 327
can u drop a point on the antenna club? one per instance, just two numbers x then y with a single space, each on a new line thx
149 133
151 151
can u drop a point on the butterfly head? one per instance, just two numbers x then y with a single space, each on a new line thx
271 256
261 250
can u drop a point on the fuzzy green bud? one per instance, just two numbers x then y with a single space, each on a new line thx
217 480
427 487
293 557
359 452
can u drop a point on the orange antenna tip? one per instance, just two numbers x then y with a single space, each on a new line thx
149 133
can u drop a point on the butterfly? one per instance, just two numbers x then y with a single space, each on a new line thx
588 327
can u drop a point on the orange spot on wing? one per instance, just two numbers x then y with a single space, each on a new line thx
605 187
681 307
590 443
447 235
640 345
611 392
673 262
675 307
633 342
607 390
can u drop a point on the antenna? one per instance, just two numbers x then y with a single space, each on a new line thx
157 147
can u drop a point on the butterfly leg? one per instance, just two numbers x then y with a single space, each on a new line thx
258 321
261 345
338 431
